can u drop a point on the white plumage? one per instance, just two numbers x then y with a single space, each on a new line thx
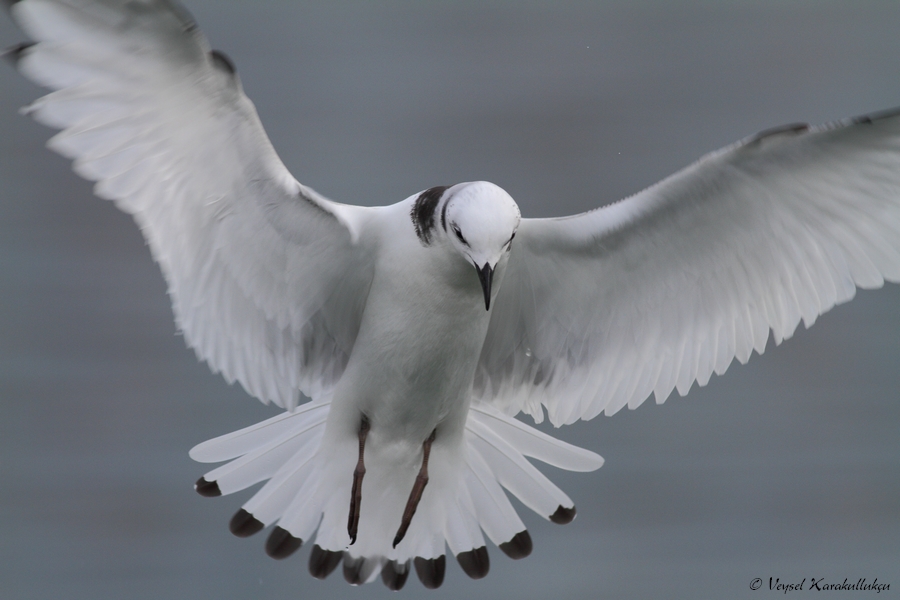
376 313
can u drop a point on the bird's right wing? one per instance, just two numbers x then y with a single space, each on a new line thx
600 310
267 278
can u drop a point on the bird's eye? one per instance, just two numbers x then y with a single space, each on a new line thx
459 235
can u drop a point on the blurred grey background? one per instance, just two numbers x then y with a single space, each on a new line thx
788 467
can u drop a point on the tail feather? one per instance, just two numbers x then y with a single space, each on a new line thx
515 473
263 463
308 493
302 515
275 499
461 529
358 571
394 574
535 444
495 513
246 440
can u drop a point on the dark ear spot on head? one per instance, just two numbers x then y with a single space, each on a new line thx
422 214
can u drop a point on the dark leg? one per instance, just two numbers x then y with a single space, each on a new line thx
356 491
416 494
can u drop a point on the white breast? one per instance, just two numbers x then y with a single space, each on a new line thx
419 342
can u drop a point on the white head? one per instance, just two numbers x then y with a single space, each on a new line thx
479 221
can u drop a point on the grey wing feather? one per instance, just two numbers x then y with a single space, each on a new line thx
267 278
601 310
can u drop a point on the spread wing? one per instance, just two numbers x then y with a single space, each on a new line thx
600 310
267 278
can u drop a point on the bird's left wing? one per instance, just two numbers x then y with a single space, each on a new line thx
600 310
267 278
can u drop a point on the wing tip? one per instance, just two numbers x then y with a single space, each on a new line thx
870 118
223 62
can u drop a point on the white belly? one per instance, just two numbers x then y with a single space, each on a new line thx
412 367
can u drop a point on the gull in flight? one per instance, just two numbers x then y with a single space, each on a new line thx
419 330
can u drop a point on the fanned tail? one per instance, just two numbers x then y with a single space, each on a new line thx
308 494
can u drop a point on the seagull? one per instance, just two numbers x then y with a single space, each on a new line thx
416 332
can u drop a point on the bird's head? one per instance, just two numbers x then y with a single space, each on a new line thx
480 220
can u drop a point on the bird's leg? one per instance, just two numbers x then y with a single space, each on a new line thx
416 494
356 491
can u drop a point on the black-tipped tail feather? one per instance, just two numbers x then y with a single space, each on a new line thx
243 524
431 571
563 515
468 499
282 544
518 547
323 562
208 489
357 571
475 563
394 575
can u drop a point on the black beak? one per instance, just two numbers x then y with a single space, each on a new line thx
485 275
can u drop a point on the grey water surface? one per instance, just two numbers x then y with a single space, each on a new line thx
788 467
